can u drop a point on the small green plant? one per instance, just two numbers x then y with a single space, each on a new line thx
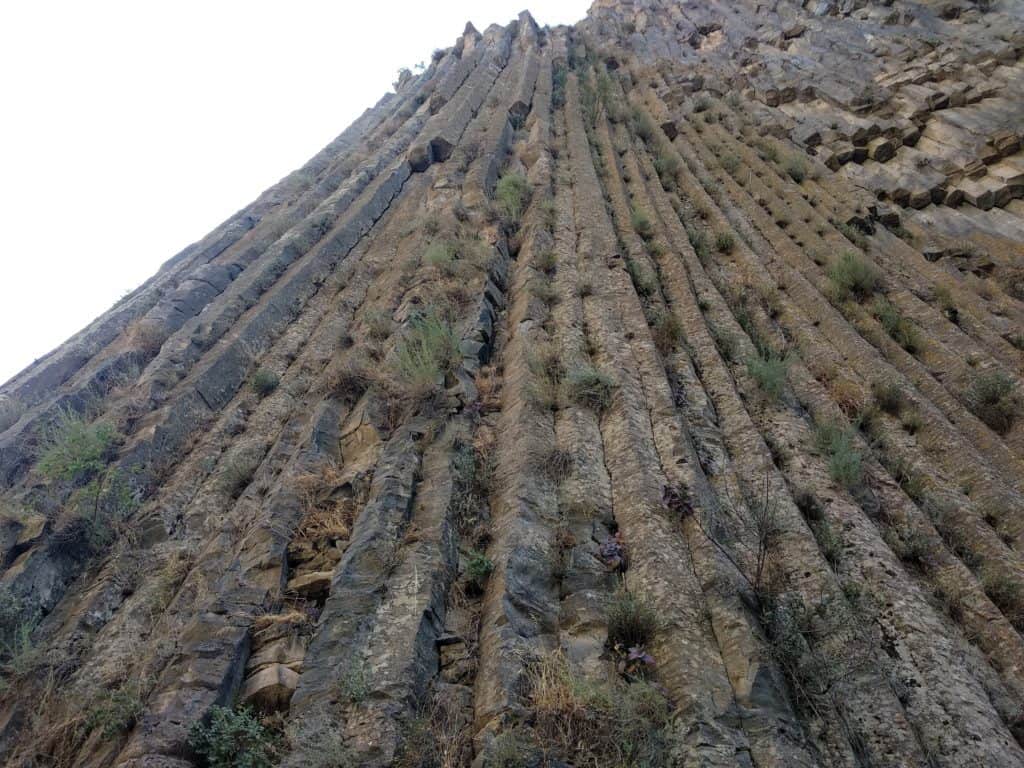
993 398
901 330
632 620
75 451
643 279
440 255
666 330
730 163
545 261
354 682
512 194
237 473
911 421
263 382
589 388
702 104
478 570
726 342
888 395
232 739
768 369
700 245
854 235
1007 596
666 165
851 275
546 376
429 349
605 724
796 168
544 290
724 242
844 460
642 223
115 712
18 652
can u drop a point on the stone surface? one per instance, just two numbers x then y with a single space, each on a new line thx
494 414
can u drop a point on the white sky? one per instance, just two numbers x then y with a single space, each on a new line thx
131 129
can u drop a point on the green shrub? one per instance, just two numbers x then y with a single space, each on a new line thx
730 163
75 451
545 261
546 377
512 194
666 331
700 245
589 388
263 382
643 126
18 652
993 399
632 621
440 255
544 290
901 330
115 712
844 460
702 104
600 723
478 570
354 682
726 342
851 275
888 395
428 350
854 235
99 509
644 281
724 242
233 739
768 369
796 168
642 223
1007 596
666 165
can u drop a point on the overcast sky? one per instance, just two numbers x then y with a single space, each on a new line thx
131 129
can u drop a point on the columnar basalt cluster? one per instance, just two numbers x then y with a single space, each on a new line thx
645 392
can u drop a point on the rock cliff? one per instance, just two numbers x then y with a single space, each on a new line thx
639 393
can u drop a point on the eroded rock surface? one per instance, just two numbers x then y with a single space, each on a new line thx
712 312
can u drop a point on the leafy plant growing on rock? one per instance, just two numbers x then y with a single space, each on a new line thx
642 223
512 194
18 652
901 330
602 724
724 242
76 451
851 275
768 369
428 350
589 388
632 620
478 570
233 738
993 399
115 712
844 460
263 382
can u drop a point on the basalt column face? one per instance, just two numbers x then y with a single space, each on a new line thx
646 392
